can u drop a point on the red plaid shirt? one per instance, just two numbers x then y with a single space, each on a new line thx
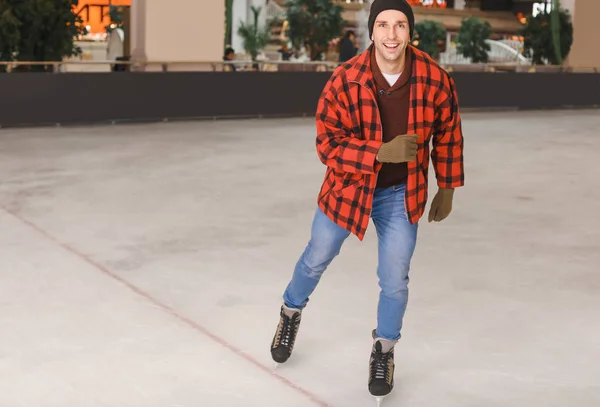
349 135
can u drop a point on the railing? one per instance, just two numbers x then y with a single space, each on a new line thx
504 52
514 44
172 66
268 66
500 52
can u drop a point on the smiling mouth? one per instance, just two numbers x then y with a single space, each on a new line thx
391 47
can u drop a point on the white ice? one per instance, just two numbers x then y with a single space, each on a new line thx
143 265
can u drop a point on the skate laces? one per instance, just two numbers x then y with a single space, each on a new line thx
286 334
380 365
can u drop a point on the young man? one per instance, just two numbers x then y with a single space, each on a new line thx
229 56
376 118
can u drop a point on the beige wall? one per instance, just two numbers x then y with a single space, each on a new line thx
568 5
585 52
192 31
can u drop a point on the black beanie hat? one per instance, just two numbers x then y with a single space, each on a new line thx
401 5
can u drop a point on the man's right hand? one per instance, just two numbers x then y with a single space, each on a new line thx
400 149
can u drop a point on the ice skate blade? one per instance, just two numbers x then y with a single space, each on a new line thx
379 400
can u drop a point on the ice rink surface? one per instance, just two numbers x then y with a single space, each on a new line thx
143 265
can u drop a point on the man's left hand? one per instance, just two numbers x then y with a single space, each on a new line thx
441 206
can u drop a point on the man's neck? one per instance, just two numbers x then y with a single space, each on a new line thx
391 67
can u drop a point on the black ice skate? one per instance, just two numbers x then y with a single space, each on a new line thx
285 336
381 369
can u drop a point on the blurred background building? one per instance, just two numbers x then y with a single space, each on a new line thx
192 32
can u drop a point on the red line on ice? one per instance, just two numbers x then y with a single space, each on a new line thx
172 311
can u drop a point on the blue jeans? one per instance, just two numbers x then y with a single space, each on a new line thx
396 244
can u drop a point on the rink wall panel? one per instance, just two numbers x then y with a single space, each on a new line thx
77 98
527 90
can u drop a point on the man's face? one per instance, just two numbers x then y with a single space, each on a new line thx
391 34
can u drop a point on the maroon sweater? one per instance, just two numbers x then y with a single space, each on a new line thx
393 102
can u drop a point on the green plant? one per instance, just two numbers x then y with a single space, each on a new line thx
471 41
429 37
539 37
10 35
555 23
38 30
116 15
254 37
228 21
313 23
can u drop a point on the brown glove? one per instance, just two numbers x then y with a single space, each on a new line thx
441 206
400 149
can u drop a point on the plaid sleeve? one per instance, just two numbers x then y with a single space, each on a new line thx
447 153
338 146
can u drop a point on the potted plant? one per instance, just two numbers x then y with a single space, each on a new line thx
430 37
546 42
312 24
254 37
471 41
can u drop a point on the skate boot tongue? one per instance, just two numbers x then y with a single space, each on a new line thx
290 312
384 345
